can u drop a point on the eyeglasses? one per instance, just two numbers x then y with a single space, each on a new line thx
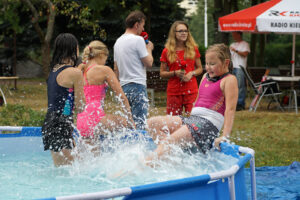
182 31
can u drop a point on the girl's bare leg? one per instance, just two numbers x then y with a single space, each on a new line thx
179 134
110 123
63 157
159 127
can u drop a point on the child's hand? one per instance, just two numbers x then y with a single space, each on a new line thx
219 140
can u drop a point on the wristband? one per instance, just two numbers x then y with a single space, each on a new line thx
194 73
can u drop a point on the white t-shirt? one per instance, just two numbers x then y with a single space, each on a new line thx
237 59
129 49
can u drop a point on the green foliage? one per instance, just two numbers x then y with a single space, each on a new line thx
9 14
160 15
20 115
80 13
196 22
280 53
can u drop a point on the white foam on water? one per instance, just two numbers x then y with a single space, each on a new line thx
120 164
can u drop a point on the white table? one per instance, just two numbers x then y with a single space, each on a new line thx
293 92
284 78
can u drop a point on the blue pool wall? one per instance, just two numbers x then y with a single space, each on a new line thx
203 187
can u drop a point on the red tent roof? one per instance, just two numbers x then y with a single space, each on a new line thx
244 20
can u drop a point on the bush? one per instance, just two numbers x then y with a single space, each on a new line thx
279 54
19 115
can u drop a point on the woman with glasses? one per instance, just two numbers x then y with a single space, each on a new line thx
97 77
180 63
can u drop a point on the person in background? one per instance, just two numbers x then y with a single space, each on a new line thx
180 63
239 53
131 58
213 109
97 77
64 89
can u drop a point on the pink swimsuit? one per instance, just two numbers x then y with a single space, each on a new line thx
93 113
211 96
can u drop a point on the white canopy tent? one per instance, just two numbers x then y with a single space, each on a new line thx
279 16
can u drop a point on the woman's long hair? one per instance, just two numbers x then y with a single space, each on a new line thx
190 43
65 49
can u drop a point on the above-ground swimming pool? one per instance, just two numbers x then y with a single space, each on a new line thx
24 143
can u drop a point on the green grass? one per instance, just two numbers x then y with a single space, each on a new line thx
274 135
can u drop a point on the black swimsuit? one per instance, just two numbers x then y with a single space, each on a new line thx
58 125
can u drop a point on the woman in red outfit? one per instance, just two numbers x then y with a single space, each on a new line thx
180 63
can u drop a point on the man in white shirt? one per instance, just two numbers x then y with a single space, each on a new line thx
131 58
239 52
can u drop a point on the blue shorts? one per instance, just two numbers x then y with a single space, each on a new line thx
202 130
138 101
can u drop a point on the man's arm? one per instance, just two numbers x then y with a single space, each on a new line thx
116 70
148 60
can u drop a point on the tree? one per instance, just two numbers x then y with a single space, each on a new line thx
46 11
160 15
44 36
9 15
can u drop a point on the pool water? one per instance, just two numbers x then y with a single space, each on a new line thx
29 175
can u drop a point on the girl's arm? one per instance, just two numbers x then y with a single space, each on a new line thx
231 96
78 83
114 84
198 89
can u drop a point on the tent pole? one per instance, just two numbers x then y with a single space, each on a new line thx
293 54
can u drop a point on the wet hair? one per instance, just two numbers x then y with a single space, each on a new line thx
65 48
190 43
222 52
94 49
133 17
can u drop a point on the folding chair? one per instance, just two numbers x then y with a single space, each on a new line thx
263 89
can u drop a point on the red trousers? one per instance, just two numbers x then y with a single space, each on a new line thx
176 103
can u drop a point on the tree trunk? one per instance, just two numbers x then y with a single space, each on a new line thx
146 7
46 58
261 57
252 55
14 63
45 37
221 9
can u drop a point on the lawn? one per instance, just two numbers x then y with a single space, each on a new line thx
274 135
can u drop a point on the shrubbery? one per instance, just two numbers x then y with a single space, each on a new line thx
19 115
279 54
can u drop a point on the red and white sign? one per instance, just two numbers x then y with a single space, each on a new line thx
281 16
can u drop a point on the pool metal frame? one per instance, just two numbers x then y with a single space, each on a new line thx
147 191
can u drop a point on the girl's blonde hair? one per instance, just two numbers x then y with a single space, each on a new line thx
222 52
190 43
94 49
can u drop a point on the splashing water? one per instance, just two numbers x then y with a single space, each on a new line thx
120 164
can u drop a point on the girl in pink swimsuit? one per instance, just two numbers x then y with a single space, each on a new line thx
93 120
213 111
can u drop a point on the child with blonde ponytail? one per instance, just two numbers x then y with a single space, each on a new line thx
93 121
